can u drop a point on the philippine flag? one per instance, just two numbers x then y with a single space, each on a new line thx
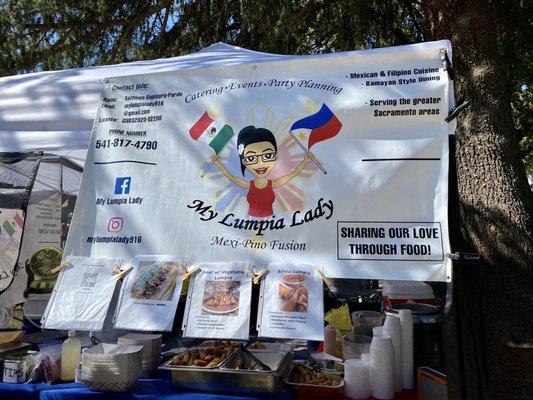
211 132
323 125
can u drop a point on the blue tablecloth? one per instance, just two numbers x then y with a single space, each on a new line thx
146 389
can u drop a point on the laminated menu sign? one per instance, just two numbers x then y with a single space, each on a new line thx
218 304
82 294
150 295
291 303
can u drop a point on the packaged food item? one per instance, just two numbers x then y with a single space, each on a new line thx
47 364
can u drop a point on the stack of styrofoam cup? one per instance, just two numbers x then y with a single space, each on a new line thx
393 328
406 320
357 379
382 367
377 330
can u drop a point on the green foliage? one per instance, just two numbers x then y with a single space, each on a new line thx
57 34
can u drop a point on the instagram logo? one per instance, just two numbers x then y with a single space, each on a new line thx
114 224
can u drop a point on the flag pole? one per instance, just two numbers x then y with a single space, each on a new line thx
211 162
306 150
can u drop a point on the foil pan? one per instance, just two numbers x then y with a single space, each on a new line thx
312 391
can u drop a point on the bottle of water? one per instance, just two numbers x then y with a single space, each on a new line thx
70 356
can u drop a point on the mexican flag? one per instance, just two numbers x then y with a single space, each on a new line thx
214 133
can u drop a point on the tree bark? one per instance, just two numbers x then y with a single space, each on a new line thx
494 199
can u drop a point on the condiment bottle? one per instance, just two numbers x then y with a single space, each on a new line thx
70 356
330 340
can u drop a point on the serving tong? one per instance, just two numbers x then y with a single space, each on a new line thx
310 361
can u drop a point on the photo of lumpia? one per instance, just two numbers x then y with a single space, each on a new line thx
294 292
221 297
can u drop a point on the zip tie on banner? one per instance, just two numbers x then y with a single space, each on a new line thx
60 266
190 273
457 110
447 64
124 272
250 272
259 276
326 280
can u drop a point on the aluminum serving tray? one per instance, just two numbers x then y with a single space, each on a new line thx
305 390
203 345
228 380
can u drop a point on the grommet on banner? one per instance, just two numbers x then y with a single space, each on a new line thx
447 64
457 110
190 273
60 267
259 276
326 280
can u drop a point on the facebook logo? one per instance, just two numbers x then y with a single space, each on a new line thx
122 185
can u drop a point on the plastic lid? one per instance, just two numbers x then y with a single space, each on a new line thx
71 333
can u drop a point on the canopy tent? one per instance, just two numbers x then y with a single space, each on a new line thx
54 111
44 186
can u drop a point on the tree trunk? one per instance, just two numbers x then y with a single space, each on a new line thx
494 201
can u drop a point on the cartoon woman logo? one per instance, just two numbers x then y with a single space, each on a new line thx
257 149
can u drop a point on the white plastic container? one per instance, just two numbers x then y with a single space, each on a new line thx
357 379
399 292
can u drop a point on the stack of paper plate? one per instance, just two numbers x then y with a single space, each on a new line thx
111 367
151 356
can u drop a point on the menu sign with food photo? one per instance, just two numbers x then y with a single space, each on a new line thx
82 294
218 303
291 303
150 295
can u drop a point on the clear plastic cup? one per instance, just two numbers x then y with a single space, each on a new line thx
363 321
354 346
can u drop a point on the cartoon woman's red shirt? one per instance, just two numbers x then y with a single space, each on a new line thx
260 200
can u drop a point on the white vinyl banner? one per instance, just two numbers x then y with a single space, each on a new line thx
218 302
82 294
149 297
291 303
337 160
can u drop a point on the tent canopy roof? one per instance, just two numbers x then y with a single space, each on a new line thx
54 110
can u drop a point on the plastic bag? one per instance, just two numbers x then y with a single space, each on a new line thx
47 364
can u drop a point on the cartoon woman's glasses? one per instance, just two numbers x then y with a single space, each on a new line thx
269 156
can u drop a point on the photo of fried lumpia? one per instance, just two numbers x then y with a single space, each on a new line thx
298 302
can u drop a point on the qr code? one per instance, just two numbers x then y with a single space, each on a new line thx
89 281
